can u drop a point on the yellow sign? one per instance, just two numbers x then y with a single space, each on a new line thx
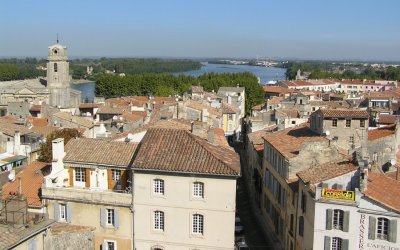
338 194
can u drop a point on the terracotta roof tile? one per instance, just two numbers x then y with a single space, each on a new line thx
31 182
276 89
384 190
382 132
88 105
289 141
388 119
97 151
36 108
228 109
326 171
38 122
61 228
197 89
174 150
110 110
344 113
81 121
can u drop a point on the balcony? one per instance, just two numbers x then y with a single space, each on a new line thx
85 195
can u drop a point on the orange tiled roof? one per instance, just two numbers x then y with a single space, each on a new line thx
38 122
88 105
36 108
276 89
61 228
388 119
382 132
326 171
173 150
228 109
344 113
384 190
289 141
31 182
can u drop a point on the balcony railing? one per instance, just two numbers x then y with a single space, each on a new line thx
87 195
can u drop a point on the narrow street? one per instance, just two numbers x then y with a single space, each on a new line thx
253 233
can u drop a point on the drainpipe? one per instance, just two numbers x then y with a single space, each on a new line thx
132 210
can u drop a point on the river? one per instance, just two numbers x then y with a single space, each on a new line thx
265 75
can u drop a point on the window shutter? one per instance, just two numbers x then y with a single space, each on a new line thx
329 213
109 179
124 175
345 244
372 228
104 246
393 231
87 173
69 213
56 211
346 221
103 217
327 243
71 177
116 218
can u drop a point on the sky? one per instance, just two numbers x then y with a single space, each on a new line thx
302 29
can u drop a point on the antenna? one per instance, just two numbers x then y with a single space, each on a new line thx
57 38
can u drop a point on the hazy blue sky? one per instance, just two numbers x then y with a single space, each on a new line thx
318 29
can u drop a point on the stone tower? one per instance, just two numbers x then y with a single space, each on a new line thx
58 78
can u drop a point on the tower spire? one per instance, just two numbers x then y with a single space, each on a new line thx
57 38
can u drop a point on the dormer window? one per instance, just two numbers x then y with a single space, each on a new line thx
55 51
55 67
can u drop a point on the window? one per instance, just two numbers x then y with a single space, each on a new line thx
382 231
301 226
338 216
110 216
348 123
80 174
334 122
159 186
198 189
337 243
159 220
362 123
115 174
109 245
230 117
55 67
351 139
198 224
63 211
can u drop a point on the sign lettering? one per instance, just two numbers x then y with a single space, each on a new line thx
338 194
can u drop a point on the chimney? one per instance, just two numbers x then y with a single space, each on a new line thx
58 149
19 186
17 142
229 99
210 135
196 128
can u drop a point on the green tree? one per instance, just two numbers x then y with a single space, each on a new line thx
46 147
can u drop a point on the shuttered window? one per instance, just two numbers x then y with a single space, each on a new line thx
382 228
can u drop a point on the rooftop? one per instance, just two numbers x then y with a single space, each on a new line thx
31 181
98 151
382 132
384 190
289 141
174 150
343 113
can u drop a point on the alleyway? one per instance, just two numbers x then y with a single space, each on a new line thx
253 232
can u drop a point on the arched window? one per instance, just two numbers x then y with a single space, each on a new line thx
338 216
198 224
159 220
198 189
382 230
55 67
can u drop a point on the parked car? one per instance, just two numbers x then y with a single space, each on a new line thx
241 245
238 226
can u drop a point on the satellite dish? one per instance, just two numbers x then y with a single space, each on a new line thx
393 162
115 118
327 133
130 136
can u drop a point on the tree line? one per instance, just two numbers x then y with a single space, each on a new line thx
326 70
164 84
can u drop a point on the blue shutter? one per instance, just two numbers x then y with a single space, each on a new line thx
116 218
69 213
56 211
327 243
393 231
103 217
372 228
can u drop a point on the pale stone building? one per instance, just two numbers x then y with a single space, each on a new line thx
184 192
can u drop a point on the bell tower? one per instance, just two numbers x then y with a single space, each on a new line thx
58 78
